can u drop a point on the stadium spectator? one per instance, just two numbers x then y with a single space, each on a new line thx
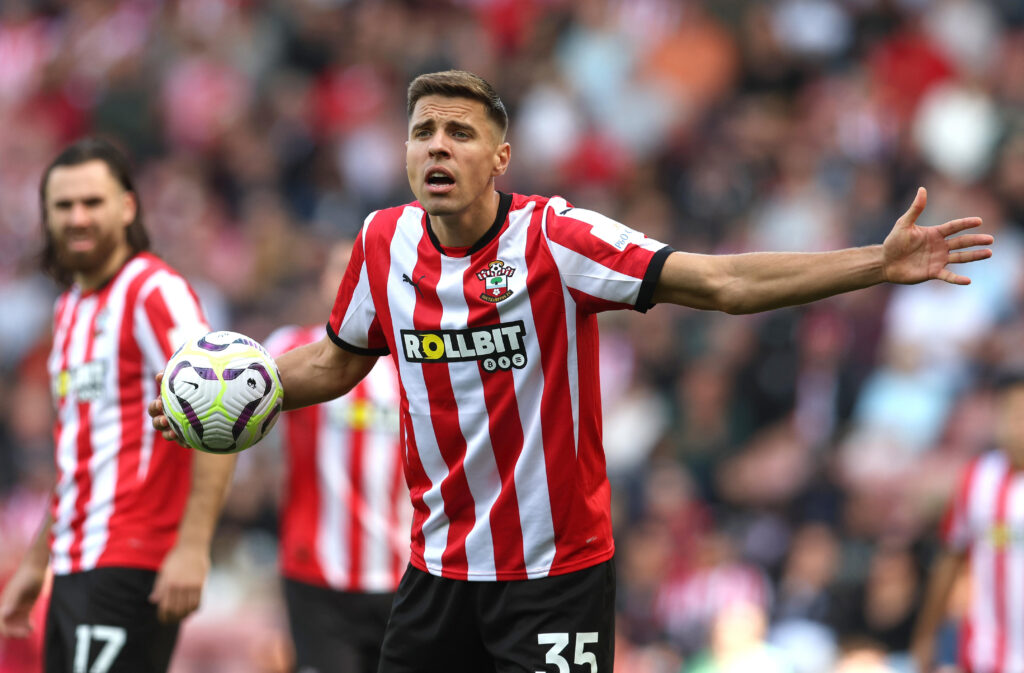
132 515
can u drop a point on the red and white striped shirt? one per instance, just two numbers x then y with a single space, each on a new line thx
496 347
345 518
121 488
986 519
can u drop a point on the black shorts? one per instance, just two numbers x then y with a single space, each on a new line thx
101 621
552 625
335 630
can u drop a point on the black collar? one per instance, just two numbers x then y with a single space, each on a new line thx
504 205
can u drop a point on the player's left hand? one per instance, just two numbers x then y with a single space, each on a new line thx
913 254
179 583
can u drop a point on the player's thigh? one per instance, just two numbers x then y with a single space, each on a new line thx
335 630
101 621
559 624
433 628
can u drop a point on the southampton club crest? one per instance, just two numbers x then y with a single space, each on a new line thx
495 278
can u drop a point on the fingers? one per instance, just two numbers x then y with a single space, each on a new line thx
953 278
969 241
920 201
174 604
958 225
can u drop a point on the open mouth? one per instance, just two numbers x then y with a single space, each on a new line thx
439 181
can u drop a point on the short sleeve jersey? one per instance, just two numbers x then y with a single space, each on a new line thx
121 488
497 352
985 519
345 510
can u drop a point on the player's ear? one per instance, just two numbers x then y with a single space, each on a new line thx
131 208
502 155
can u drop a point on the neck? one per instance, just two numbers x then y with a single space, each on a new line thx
95 279
463 229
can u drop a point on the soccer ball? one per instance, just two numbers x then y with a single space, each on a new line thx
221 392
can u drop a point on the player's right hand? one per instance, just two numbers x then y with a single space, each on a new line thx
16 602
156 412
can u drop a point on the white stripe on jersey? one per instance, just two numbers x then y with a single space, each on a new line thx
435 529
105 423
570 327
1015 580
981 511
480 467
531 471
335 489
184 313
67 443
380 466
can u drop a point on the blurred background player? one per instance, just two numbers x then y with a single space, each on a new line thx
984 529
344 533
128 535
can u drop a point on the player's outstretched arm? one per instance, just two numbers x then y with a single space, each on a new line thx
760 281
179 582
319 372
24 586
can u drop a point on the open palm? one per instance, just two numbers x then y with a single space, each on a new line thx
913 254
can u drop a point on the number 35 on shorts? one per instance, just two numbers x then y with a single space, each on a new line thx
559 644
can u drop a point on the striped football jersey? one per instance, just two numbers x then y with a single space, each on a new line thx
496 347
345 512
121 488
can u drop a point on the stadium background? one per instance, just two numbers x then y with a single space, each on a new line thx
777 478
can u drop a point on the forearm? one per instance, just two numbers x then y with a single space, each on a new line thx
211 475
38 553
319 372
933 607
760 281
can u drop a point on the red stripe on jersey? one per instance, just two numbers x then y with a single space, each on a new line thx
573 525
398 487
302 496
419 484
506 431
148 523
299 523
1003 549
66 316
83 475
129 383
954 518
437 379
356 502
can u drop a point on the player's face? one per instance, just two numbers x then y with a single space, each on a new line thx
87 213
453 154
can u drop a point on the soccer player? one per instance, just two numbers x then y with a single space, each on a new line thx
128 535
345 516
984 528
487 304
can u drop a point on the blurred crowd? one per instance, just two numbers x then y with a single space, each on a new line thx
777 478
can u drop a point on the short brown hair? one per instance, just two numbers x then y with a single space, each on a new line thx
459 84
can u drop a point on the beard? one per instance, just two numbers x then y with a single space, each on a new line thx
84 261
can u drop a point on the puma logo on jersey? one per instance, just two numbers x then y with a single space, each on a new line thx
495 347
415 283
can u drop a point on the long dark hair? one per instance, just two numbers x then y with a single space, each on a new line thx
80 152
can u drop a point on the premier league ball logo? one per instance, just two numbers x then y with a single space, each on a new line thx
495 278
